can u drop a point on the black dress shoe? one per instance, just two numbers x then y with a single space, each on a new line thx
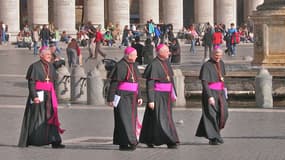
127 148
57 145
172 146
150 145
123 147
133 147
220 140
213 142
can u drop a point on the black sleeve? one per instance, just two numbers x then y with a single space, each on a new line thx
150 90
32 90
31 81
112 90
113 79
139 77
58 64
206 88
149 83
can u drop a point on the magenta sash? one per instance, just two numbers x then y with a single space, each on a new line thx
216 85
48 86
165 87
127 86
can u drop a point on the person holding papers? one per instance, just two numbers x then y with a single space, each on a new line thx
40 124
124 95
158 127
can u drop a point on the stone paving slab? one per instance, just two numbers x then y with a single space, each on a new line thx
249 134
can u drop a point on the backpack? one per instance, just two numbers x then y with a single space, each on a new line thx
235 38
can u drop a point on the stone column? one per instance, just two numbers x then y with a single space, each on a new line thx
269 34
251 6
64 15
95 87
263 89
204 13
10 15
38 12
226 12
180 87
119 12
78 92
149 9
63 84
94 12
173 13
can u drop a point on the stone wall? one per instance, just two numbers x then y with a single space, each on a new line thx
241 88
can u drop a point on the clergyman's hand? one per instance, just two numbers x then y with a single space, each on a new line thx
111 104
36 100
140 101
151 105
211 101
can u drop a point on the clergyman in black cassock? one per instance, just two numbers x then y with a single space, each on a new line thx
158 127
214 104
124 83
40 125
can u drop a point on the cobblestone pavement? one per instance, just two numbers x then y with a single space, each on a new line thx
250 134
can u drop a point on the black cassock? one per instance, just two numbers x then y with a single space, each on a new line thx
158 126
213 117
125 114
35 128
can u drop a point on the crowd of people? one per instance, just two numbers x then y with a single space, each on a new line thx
144 38
39 36
212 37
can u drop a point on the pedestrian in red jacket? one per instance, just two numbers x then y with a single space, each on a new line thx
98 39
217 38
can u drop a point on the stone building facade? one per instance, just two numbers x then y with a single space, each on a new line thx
67 14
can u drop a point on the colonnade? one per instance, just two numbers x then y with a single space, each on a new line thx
118 11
